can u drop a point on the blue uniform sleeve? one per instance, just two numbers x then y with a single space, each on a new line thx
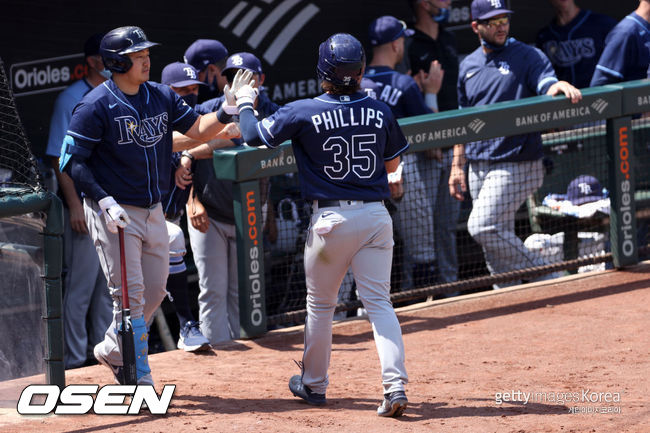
183 116
83 178
86 128
271 131
59 122
541 74
620 50
397 143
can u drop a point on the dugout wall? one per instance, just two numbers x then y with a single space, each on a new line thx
604 136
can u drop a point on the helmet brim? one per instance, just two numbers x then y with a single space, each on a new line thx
138 47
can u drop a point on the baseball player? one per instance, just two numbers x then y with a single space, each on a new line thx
212 228
401 93
345 143
182 78
626 55
574 41
505 170
208 56
118 151
84 283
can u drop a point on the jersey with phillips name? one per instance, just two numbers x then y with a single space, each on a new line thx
340 144
512 72
127 139
399 91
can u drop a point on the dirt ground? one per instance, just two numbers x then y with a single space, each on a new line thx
577 337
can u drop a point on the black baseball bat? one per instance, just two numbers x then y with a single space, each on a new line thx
129 376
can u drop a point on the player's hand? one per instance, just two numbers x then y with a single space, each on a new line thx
77 219
567 89
183 174
198 215
230 104
229 132
396 183
114 214
457 184
247 94
432 81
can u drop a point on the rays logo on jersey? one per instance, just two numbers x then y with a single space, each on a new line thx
504 68
146 134
268 124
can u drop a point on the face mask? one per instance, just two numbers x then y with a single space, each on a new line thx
442 16
106 73
190 99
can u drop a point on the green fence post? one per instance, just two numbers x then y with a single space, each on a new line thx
623 208
250 258
53 310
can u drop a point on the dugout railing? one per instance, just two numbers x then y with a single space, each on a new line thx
606 127
22 193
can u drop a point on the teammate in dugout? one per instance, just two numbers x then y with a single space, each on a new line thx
120 158
505 170
574 41
626 55
345 144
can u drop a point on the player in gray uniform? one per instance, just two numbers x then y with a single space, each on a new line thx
345 144
118 151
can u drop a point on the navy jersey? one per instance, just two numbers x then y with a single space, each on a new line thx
216 194
399 91
627 52
174 200
516 71
127 140
340 143
574 48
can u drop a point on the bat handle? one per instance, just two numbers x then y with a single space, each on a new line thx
125 288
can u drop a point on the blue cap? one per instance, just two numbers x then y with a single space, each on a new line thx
242 60
484 9
584 189
387 29
179 74
203 52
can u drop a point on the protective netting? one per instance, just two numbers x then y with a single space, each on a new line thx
542 220
19 172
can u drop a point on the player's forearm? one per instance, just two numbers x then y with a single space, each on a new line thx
83 177
248 128
66 184
205 150
392 165
208 126
183 142
459 156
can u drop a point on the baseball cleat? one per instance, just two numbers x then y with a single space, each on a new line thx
393 405
301 390
117 369
191 339
101 358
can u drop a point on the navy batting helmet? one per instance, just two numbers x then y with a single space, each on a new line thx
341 60
117 43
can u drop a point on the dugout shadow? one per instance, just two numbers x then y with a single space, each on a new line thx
416 324
411 323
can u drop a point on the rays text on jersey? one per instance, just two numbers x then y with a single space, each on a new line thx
147 133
